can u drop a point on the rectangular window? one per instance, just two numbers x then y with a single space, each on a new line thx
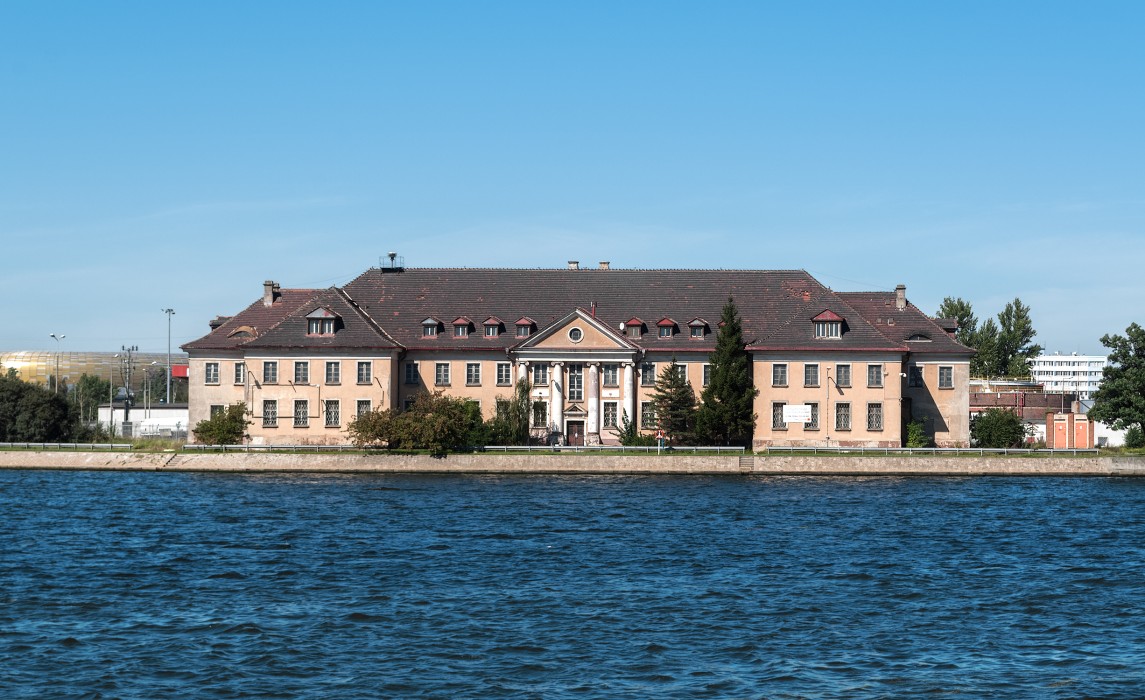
647 415
611 374
412 376
540 414
523 331
647 374
365 372
504 374
240 373
301 413
777 422
697 331
333 413
810 375
441 374
813 424
635 331
707 375
364 407
270 413
302 372
473 374
843 375
429 330
842 416
218 410
540 375
828 329
945 377
779 374
874 375
914 376
874 416
610 410
576 382
270 372
682 372
491 331
320 326
461 331
665 331
333 372
211 373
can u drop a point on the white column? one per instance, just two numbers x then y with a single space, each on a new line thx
593 394
558 397
629 392
523 371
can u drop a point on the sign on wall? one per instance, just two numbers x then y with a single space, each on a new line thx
796 413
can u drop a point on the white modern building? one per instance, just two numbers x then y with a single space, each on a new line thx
1069 374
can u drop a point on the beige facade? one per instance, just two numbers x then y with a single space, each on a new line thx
831 369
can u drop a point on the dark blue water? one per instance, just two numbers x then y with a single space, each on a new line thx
121 585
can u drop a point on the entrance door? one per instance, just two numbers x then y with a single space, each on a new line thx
575 433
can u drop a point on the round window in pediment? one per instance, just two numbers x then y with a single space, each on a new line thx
576 335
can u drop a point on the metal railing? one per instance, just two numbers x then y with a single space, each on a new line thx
913 451
72 446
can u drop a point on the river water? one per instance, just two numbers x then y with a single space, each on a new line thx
149 585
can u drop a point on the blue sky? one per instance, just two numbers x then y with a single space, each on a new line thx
176 155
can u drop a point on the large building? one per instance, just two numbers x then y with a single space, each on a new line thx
591 342
1073 373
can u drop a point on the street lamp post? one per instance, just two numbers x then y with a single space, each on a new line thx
58 339
170 313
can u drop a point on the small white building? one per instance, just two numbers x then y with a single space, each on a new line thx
154 421
1069 374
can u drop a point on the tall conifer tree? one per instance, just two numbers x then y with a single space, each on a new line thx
726 415
675 404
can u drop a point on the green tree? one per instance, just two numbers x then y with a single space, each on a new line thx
434 422
726 415
87 394
997 428
630 435
916 434
1120 400
1135 437
675 404
510 424
31 413
1015 340
227 427
985 340
961 311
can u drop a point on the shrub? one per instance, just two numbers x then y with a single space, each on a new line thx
1134 437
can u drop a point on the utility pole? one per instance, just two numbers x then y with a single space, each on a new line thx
128 367
170 313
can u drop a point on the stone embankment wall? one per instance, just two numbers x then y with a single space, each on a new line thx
578 464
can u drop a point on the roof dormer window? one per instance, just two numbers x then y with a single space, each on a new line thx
525 326
697 328
461 327
492 327
918 338
667 328
321 321
430 327
828 325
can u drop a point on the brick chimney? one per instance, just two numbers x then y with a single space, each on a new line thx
900 297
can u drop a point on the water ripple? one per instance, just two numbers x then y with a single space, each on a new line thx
119 585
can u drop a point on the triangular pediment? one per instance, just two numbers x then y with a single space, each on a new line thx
828 315
322 312
576 330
